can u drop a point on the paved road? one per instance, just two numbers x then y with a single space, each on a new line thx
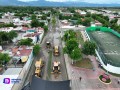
45 56
56 39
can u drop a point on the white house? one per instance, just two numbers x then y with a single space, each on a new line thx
7 29
36 34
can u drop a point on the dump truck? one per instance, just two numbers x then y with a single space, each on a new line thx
38 68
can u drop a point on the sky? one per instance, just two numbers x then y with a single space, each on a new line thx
88 1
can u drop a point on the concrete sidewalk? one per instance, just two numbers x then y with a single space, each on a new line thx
89 79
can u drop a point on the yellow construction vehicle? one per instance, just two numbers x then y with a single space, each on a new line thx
56 68
56 50
38 65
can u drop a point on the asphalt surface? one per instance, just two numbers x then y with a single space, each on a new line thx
57 39
45 55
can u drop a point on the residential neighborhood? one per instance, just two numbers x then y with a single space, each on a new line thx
59 48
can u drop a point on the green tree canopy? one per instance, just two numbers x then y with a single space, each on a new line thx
44 17
45 28
76 54
35 23
36 50
71 44
27 41
4 58
33 17
89 48
53 21
69 35
12 34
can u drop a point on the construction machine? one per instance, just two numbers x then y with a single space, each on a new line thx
56 68
48 45
39 65
56 50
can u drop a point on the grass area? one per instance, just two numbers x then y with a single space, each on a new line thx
49 64
84 63
79 37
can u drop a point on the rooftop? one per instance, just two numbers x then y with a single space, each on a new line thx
12 71
32 34
21 51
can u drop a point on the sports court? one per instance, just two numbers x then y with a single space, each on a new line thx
108 46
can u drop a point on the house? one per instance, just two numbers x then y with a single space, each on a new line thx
17 22
24 54
83 13
96 23
7 29
36 34
44 21
9 75
118 22
17 28
33 36
67 14
19 53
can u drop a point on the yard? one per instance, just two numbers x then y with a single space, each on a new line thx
84 63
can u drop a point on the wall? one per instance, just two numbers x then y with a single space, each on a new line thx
41 37
108 67
24 73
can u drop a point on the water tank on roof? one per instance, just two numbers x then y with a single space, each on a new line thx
18 53
1 48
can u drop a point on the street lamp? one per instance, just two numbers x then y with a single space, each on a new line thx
72 59
3 67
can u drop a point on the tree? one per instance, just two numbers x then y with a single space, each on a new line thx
4 58
27 41
69 35
71 44
53 21
89 48
41 24
76 54
79 21
86 21
33 16
44 17
12 34
45 28
36 50
34 23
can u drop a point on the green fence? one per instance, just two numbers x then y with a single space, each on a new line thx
106 59
104 29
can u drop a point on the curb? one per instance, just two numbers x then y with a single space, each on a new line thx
104 82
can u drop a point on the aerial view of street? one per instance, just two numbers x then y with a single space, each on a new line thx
59 45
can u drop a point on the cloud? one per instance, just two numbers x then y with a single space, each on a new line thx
27 0
89 1
57 0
